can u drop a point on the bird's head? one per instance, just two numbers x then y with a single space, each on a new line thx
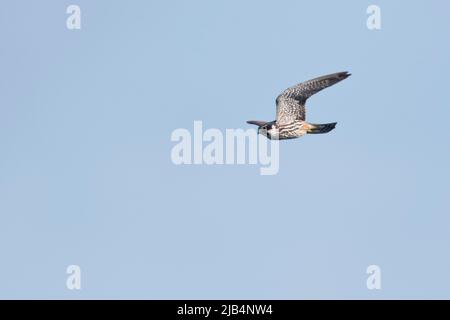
267 129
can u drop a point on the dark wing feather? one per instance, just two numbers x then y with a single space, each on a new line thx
291 103
257 123
289 109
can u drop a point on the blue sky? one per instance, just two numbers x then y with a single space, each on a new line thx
86 176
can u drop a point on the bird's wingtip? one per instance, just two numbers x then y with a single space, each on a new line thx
256 123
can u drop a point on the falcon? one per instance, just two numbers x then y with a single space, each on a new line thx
291 114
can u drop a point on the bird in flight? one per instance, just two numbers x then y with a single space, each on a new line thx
291 119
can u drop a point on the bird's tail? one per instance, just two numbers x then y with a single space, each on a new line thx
321 128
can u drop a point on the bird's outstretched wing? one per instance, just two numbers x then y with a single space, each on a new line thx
291 102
